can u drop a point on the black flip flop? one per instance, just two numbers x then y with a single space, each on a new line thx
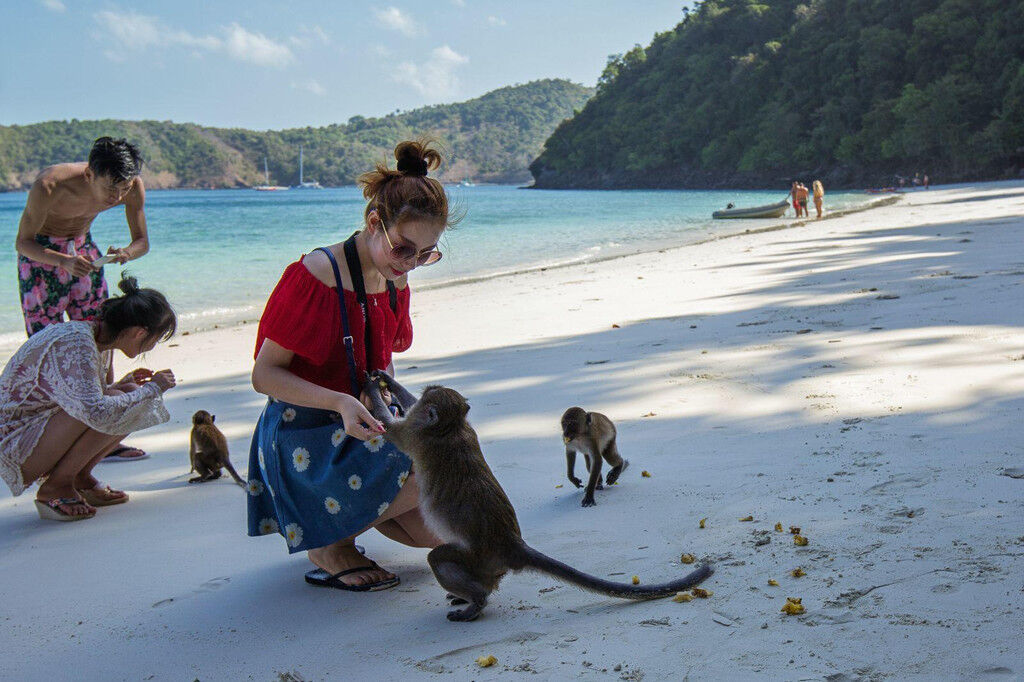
322 578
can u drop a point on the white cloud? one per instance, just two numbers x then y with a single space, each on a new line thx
135 30
459 3
132 31
247 46
496 21
435 77
397 20
53 5
308 36
310 85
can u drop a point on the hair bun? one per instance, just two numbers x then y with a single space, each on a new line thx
128 285
411 165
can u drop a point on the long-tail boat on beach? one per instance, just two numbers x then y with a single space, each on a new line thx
768 211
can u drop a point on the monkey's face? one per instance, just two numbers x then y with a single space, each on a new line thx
202 417
439 409
574 423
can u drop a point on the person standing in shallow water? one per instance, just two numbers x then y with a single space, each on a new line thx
55 248
819 195
320 473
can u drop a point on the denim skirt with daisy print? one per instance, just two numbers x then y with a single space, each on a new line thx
313 483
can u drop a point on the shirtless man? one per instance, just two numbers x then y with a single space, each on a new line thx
56 250
800 197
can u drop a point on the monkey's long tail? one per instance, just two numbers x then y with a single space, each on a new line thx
541 562
234 474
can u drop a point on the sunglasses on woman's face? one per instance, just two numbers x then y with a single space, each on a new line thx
404 253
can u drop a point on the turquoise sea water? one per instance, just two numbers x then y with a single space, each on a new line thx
217 254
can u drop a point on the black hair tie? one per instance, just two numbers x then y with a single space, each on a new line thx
412 166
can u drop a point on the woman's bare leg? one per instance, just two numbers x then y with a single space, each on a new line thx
413 528
85 480
66 449
342 555
391 530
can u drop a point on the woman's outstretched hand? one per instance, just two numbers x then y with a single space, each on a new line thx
358 421
139 376
164 379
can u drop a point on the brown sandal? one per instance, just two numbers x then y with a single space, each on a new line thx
98 496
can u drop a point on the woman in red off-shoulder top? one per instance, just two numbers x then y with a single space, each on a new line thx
320 473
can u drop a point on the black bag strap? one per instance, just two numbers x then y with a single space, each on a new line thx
355 270
352 256
346 333
392 296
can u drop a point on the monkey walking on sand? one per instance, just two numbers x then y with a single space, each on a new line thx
464 505
208 450
592 434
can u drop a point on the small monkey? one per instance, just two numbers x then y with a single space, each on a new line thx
208 450
592 434
464 505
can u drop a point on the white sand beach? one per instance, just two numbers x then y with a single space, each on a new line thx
860 377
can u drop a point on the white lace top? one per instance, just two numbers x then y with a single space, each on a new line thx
60 368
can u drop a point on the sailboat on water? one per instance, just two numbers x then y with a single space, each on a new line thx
304 184
267 187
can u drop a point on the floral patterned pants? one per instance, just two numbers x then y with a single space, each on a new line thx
47 291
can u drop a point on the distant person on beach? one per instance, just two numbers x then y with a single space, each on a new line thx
799 194
925 181
320 473
58 414
56 274
819 195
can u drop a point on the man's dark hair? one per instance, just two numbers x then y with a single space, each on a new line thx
116 159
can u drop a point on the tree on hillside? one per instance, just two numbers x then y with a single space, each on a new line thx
754 92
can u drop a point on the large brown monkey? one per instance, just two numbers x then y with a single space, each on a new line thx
464 505
208 450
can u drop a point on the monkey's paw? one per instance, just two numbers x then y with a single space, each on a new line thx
614 474
382 379
589 502
463 615
576 482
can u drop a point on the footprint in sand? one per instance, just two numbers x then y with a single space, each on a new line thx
945 588
900 480
215 584
209 586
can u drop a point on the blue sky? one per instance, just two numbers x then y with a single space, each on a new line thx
261 64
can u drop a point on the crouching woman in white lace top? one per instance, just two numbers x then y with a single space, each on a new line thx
58 417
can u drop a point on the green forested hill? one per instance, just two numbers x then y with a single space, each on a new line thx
489 139
746 93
